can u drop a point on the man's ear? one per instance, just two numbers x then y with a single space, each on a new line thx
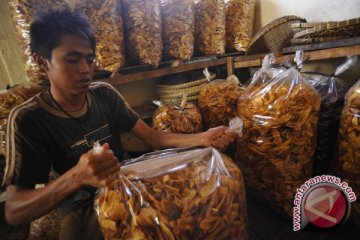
41 61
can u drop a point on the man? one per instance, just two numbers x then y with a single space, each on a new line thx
55 130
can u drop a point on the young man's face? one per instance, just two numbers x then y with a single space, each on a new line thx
72 65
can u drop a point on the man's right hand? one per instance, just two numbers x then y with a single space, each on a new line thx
97 168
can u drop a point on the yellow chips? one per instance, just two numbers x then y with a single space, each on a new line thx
210 27
105 18
23 13
142 21
171 118
178 28
280 119
198 194
239 24
349 148
218 102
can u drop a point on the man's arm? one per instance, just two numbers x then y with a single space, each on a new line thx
216 137
24 204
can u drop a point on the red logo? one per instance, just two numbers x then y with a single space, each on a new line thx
325 206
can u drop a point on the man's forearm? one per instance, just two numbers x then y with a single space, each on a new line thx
24 205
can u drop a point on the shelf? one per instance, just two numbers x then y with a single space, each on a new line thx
329 50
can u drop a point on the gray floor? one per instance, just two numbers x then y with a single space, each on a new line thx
265 224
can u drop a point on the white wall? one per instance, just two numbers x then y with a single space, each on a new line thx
312 10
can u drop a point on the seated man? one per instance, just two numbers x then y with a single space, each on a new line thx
54 131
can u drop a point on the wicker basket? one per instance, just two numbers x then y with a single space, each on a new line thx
350 28
274 36
174 93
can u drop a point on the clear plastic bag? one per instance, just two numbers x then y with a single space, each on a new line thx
266 72
23 13
279 136
185 118
178 21
175 194
332 91
210 33
105 18
143 31
348 166
240 16
218 101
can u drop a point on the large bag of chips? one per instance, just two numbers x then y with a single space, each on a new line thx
279 137
240 16
23 13
143 31
332 91
210 27
348 166
178 21
185 118
105 18
218 101
175 194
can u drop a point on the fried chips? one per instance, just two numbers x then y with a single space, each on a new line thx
23 13
240 16
143 31
210 27
280 119
218 102
178 20
106 20
171 118
195 194
349 145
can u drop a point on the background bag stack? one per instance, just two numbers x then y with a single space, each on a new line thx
104 17
240 16
210 27
178 20
143 31
23 13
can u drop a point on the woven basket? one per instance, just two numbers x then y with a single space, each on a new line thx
274 36
174 93
350 28
177 100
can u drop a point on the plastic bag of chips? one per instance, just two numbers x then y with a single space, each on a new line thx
348 166
210 27
279 137
175 194
143 31
23 13
240 16
218 101
185 118
178 21
332 91
105 18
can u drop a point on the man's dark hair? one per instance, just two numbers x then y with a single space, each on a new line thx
49 27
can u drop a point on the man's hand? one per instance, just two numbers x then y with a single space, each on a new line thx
218 138
97 168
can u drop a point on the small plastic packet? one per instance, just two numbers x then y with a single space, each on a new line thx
185 118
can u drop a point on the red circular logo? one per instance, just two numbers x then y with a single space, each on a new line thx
325 206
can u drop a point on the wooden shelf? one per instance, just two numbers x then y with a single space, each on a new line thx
341 48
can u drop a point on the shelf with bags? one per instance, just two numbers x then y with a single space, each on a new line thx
320 51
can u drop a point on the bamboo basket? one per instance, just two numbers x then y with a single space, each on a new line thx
274 36
173 93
